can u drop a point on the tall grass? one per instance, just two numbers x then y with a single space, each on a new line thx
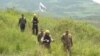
86 38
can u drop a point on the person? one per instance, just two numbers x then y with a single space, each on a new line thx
22 23
40 35
46 39
35 24
67 41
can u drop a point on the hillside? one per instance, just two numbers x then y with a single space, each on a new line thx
86 38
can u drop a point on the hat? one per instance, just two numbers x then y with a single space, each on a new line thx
47 31
34 14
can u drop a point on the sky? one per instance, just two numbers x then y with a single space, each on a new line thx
96 1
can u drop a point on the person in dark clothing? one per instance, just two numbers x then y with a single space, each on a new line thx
46 39
40 35
22 23
67 42
35 25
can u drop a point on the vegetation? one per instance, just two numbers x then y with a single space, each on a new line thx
86 38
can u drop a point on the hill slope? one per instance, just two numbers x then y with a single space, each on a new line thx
86 38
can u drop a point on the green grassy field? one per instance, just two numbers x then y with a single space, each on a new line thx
86 38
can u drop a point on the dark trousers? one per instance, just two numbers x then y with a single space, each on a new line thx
35 29
22 27
47 45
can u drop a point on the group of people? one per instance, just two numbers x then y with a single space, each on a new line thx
44 37
22 24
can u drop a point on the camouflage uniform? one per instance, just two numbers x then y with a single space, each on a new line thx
40 35
67 42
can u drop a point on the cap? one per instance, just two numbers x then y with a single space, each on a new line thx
47 31
34 14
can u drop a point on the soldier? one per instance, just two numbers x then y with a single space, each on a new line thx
46 39
35 25
67 42
22 23
40 35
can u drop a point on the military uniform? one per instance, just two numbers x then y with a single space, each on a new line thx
67 42
46 39
35 25
22 23
40 35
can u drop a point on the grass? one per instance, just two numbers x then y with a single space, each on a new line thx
86 37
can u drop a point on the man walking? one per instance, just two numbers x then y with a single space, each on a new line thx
35 25
22 23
